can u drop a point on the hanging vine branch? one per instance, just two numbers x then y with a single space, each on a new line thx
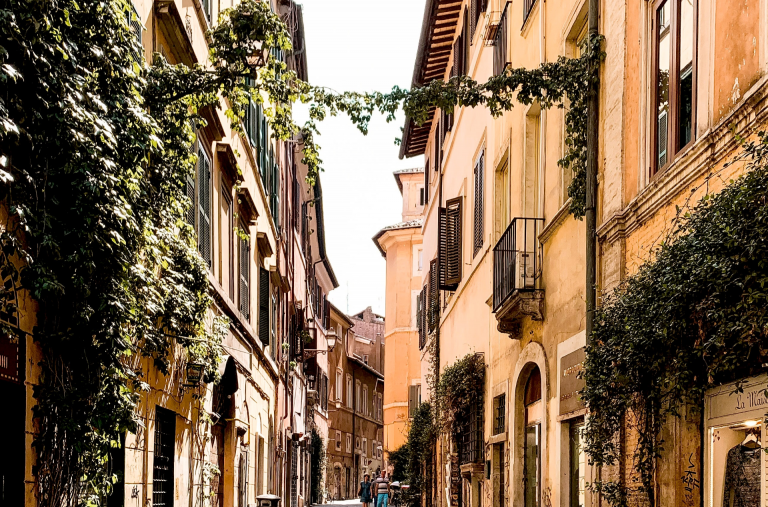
694 318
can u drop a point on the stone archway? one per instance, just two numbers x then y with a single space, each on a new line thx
532 358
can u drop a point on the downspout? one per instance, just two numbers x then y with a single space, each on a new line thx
543 113
591 183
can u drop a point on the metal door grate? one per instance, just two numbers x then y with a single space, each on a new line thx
162 475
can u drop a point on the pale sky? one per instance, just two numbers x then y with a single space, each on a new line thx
360 45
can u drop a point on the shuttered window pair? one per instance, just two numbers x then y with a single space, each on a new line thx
245 277
449 244
479 204
204 204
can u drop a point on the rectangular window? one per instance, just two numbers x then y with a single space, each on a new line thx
338 440
365 400
532 168
350 395
349 443
207 4
527 8
499 414
500 44
414 399
245 276
357 396
502 200
674 31
450 243
264 296
204 204
339 383
578 464
162 469
226 273
365 446
479 216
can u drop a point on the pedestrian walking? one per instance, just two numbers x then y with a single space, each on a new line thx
365 490
381 490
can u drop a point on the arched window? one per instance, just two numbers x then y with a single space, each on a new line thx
532 452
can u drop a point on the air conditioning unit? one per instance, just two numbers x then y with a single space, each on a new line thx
525 265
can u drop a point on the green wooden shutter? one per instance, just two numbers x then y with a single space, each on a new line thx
449 244
245 278
264 306
204 205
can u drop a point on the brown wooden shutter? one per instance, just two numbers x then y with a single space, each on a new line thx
432 306
478 210
449 231
264 306
327 314
466 38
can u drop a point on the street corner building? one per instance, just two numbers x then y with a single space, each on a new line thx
488 259
247 437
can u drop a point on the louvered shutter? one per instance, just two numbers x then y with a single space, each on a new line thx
458 55
449 230
433 306
204 205
190 192
478 210
663 139
327 314
264 306
245 278
426 183
472 18
465 39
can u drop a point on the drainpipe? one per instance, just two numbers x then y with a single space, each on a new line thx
591 197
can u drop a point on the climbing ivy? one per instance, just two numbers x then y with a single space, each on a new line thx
456 393
693 318
414 461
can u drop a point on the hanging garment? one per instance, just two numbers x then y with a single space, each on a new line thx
742 477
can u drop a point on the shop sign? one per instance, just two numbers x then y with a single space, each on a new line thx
738 401
570 383
9 359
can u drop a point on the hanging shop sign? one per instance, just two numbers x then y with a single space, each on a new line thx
10 361
570 383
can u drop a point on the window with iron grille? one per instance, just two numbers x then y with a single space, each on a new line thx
471 436
500 45
479 204
499 414
245 277
134 22
162 468
204 204
449 244
264 329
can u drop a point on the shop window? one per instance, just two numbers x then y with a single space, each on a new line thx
674 76
532 440
577 464
734 456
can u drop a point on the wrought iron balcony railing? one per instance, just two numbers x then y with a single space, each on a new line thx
517 260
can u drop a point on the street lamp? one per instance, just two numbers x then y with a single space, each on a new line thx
330 338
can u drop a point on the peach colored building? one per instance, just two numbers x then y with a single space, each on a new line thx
508 282
401 246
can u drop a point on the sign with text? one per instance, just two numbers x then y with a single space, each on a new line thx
738 401
10 362
570 383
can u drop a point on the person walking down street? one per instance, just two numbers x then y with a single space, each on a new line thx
365 490
381 488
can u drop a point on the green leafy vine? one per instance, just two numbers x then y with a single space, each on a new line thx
693 318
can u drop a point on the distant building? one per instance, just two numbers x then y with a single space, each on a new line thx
355 399
401 245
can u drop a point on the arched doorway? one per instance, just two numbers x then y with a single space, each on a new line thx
534 412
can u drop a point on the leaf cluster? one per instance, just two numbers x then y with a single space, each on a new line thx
456 392
694 318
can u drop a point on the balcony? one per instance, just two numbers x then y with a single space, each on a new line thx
517 267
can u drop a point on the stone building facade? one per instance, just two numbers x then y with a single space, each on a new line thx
356 393
681 81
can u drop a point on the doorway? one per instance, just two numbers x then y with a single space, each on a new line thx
12 392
